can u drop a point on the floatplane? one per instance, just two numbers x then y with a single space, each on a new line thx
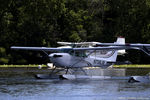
76 56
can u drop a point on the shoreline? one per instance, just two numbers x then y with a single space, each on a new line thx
45 66
25 69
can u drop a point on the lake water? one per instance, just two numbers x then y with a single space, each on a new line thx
26 87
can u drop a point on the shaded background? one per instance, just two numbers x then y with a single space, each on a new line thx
44 22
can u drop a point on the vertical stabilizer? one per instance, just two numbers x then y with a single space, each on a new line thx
121 40
111 55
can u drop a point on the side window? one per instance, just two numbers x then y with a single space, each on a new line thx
77 54
80 54
71 52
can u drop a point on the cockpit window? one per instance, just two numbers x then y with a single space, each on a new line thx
80 54
75 53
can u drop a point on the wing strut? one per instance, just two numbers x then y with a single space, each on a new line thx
145 50
45 52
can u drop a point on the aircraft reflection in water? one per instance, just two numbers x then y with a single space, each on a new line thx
87 54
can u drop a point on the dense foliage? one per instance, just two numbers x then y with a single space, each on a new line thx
44 22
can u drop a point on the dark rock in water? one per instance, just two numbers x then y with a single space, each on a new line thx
142 79
132 80
48 76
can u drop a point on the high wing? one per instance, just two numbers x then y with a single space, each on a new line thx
68 49
113 46
107 46
36 48
64 43
75 49
78 43
126 44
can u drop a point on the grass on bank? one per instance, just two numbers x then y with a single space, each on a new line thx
115 66
132 66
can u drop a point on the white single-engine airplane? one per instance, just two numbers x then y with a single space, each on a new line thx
103 55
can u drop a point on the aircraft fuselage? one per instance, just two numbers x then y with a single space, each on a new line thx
67 60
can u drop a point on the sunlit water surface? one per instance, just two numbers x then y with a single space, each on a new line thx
29 88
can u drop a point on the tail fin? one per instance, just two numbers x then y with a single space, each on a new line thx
111 56
120 40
